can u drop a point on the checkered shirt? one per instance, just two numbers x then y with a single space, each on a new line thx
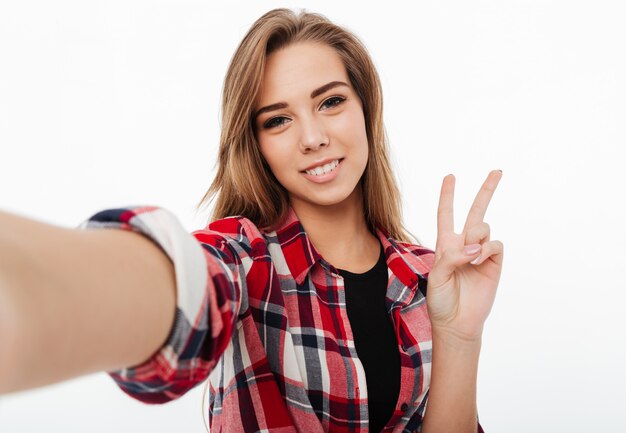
263 316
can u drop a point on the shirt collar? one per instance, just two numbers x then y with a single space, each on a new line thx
301 255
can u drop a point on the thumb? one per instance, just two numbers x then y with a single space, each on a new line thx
452 258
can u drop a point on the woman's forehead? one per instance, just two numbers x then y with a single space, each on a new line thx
298 69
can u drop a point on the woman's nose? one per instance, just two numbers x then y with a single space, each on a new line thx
312 134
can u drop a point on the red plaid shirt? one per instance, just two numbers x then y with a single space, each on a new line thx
263 316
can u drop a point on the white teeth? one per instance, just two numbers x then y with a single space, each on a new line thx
317 171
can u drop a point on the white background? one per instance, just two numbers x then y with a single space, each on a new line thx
112 103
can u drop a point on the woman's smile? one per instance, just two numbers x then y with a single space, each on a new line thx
325 173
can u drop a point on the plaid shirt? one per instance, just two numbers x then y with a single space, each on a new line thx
263 316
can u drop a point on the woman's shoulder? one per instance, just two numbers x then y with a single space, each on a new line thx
420 256
414 248
235 230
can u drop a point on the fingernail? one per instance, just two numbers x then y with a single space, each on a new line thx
475 261
472 249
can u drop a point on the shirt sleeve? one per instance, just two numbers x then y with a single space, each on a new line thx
210 281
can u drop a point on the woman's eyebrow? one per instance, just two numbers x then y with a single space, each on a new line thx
327 87
277 106
314 93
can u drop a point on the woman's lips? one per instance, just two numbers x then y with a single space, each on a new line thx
326 177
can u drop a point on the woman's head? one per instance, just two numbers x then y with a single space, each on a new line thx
245 180
308 115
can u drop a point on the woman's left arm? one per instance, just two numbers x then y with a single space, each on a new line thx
461 289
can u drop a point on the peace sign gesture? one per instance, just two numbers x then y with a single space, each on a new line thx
463 281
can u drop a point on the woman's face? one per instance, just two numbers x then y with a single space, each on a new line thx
307 112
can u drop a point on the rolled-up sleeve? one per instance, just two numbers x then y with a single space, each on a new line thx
210 281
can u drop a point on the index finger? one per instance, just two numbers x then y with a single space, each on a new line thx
479 207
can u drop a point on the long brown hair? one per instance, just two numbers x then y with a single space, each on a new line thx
244 183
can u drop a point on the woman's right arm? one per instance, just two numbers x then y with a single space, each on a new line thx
74 302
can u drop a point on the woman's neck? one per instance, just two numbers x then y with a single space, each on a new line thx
340 233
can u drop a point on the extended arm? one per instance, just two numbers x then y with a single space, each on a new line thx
74 302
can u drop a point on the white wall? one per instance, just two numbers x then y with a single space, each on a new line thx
113 103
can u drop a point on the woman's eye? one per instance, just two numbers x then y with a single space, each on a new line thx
274 122
333 101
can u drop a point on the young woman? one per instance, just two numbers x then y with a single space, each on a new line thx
304 302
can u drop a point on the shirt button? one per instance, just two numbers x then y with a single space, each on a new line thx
404 407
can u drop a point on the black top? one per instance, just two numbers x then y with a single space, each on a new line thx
375 339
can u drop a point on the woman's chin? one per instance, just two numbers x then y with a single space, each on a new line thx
330 197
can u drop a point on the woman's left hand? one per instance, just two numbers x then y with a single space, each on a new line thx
460 294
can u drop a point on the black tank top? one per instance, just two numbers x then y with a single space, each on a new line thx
375 339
